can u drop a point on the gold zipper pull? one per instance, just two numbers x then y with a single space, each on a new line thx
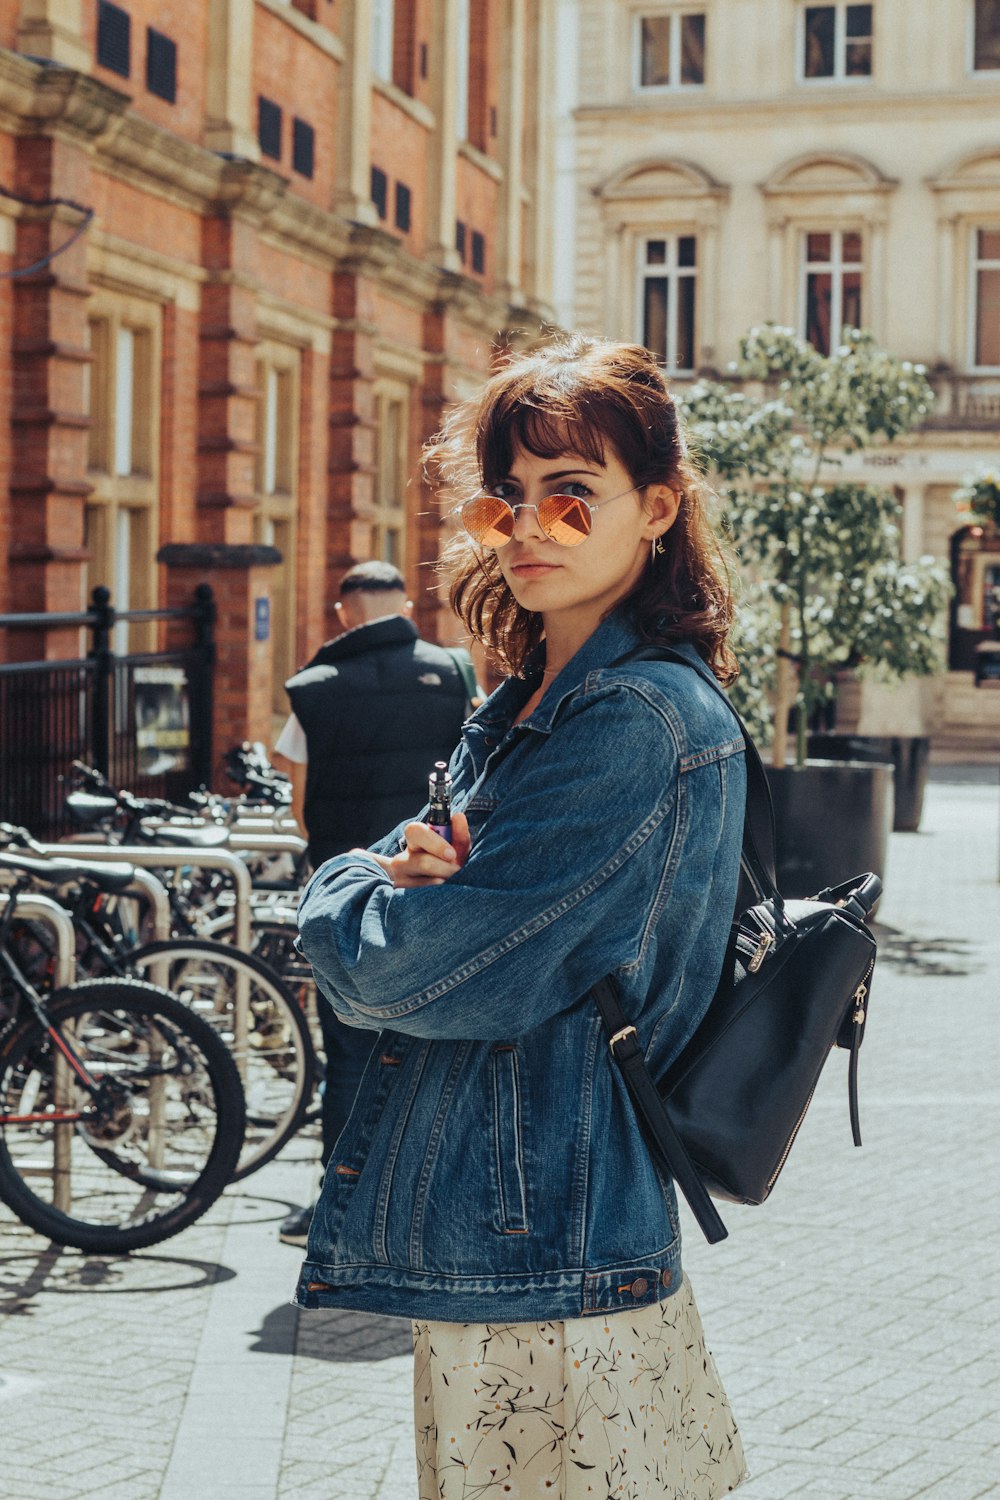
764 944
859 1001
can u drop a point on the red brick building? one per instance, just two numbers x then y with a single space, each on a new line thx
301 230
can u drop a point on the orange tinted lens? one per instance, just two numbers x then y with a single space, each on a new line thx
488 520
565 519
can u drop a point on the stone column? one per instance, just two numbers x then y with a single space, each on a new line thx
512 124
50 356
53 29
351 457
353 191
227 390
240 577
912 527
230 108
444 142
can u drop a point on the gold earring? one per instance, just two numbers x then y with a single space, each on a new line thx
658 548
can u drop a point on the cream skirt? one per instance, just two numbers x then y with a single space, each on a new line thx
627 1407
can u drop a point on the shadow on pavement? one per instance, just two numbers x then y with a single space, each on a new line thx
331 1334
940 958
26 1273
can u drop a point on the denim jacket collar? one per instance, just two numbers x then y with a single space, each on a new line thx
614 638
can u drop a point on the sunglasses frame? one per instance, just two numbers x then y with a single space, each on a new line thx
533 505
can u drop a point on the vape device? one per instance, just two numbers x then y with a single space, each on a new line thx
439 797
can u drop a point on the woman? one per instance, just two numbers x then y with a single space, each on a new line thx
492 1182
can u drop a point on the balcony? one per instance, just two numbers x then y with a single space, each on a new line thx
970 403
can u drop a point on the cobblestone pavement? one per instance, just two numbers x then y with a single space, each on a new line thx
852 1318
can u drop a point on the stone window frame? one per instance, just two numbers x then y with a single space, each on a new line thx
985 74
634 209
278 383
124 469
675 11
391 400
966 194
991 225
839 78
674 273
798 199
837 267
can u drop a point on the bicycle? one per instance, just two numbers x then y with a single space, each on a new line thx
121 1110
261 1024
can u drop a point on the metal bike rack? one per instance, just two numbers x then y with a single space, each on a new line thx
44 909
151 857
267 843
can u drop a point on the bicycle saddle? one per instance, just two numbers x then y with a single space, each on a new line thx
110 878
88 807
190 838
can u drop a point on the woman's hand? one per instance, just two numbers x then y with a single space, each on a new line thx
428 858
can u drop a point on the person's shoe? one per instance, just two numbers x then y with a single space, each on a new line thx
295 1229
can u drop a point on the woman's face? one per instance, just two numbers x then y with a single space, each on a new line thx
574 587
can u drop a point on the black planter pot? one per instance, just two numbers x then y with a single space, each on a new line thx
832 821
909 755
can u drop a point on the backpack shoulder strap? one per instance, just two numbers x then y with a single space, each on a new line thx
758 821
466 670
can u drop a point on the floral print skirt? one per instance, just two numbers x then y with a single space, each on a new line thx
627 1407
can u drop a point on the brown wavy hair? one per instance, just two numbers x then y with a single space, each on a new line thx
584 396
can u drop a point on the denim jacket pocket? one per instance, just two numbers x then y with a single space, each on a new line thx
508 1140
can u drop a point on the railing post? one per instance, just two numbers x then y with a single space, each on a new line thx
201 682
100 653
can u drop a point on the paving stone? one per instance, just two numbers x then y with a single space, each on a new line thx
852 1316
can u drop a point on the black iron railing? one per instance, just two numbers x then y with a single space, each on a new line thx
143 718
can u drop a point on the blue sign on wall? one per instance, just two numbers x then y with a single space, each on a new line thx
261 619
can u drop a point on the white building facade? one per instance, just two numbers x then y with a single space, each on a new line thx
729 162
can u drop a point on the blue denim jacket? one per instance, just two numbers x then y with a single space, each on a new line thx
492 1167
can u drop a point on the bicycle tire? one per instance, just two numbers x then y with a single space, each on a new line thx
277 1062
126 1182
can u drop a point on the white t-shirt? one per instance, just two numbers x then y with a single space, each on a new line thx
291 742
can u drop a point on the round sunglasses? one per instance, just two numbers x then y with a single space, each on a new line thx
565 519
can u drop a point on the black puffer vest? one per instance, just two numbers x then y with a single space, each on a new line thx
378 706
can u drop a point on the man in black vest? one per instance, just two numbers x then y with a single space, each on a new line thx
371 713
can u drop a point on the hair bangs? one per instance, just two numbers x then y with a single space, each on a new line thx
545 421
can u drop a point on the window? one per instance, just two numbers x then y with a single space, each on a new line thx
269 127
380 192
382 38
832 286
161 65
478 252
114 38
460 240
391 472
123 407
837 41
303 148
403 206
986 36
671 50
986 291
667 293
277 380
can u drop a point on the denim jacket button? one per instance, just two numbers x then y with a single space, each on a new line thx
640 1287
666 1277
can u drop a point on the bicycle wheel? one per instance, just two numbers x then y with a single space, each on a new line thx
267 1034
147 1154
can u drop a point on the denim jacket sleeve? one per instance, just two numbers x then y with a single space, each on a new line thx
562 879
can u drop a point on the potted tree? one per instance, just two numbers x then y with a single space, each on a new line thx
828 590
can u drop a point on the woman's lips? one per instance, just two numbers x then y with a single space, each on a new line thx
532 569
